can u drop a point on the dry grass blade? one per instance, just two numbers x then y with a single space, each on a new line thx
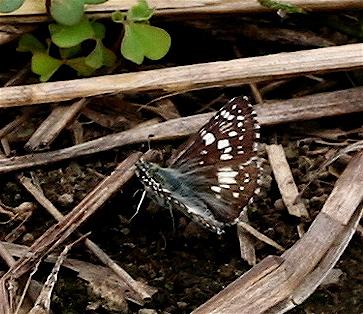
259 235
277 285
330 104
42 304
285 181
197 76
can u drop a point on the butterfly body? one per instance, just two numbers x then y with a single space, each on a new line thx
215 173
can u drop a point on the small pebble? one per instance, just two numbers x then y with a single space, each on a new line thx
65 199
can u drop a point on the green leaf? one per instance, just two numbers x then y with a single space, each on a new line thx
67 12
94 1
143 40
67 53
29 43
100 56
68 36
140 12
118 17
95 58
79 64
99 30
44 65
7 6
284 6
109 58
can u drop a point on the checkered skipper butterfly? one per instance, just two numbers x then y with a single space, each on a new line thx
215 173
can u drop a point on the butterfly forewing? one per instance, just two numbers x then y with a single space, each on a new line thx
229 136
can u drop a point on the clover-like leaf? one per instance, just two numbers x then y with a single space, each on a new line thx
44 65
67 36
140 12
143 40
99 30
100 56
67 53
118 17
79 64
95 58
29 43
7 6
67 12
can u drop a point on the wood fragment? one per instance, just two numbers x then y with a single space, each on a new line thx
222 73
285 181
259 235
13 125
298 109
59 118
246 244
291 281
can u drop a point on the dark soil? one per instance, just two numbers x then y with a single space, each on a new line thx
188 264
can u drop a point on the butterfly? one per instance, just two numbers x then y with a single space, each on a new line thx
215 173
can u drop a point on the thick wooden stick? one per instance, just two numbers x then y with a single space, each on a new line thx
212 74
297 109
163 7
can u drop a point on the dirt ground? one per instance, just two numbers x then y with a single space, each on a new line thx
185 263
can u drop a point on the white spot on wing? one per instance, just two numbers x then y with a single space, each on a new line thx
232 133
223 144
226 180
216 189
240 118
229 173
225 186
208 138
226 157
235 194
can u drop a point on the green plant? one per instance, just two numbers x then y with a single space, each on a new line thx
281 5
141 39
70 31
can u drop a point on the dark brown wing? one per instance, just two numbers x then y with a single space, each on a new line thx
223 155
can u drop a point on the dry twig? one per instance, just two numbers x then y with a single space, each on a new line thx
197 76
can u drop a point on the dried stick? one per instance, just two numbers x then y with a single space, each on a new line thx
55 235
197 76
278 284
60 118
285 181
173 7
297 109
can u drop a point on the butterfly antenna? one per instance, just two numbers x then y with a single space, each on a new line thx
139 205
172 219
149 142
